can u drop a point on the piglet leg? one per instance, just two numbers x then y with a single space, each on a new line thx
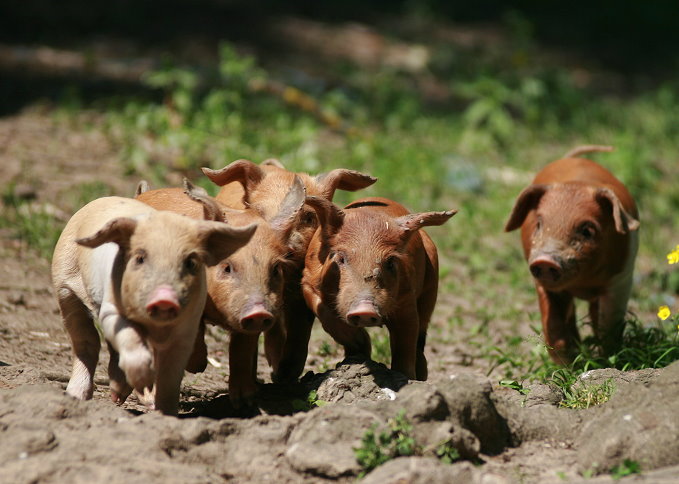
355 340
85 340
120 389
558 325
135 357
242 368
403 340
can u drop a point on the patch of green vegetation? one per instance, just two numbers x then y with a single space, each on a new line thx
36 225
311 401
381 346
627 468
377 448
586 396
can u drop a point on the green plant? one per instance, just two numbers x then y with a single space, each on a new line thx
381 347
310 402
447 453
627 468
585 396
377 448
515 385
34 224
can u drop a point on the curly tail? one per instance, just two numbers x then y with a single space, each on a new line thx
586 149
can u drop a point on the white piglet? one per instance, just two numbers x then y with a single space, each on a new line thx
141 273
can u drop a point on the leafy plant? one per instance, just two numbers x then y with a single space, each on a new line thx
586 396
377 448
310 402
627 468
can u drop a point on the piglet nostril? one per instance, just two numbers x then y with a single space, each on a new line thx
257 320
545 269
163 304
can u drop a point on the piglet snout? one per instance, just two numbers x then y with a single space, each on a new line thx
256 319
363 313
163 304
545 269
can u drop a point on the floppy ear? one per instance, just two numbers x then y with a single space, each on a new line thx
624 222
220 240
212 210
528 199
284 221
119 230
342 179
330 216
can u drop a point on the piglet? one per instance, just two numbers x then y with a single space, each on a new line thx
371 265
246 289
263 188
579 233
141 274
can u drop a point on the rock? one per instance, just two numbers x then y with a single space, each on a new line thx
640 425
323 443
469 402
422 470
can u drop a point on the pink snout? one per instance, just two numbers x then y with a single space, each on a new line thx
256 319
163 304
546 269
363 313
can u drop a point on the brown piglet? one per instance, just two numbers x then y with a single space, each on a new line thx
371 265
141 273
245 290
263 188
579 229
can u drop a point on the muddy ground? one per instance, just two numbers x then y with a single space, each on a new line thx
502 436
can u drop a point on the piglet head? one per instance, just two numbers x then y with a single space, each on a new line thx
159 273
569 231
366 257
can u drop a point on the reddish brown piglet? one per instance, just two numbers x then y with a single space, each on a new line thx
579 233
263 188
371 265
245 290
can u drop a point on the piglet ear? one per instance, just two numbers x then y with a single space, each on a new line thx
412 222
273 162
624 222
142 187
330 216
212 210
285 220
342 179
119 230
220 240
245 172
528 200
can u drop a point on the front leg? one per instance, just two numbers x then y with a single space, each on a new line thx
128 340
558 325
403 339
242 368
608 315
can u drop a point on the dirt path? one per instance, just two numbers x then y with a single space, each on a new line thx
46 436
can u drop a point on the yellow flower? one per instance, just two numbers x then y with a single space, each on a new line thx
673 257
663 312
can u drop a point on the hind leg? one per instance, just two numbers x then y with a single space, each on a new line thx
84 341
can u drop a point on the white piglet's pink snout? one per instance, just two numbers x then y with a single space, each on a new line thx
163 304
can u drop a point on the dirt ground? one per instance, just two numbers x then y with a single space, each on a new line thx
505 437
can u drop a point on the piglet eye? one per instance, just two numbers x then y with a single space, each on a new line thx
587 231
140 257
227 268
390 264
538 224
191 264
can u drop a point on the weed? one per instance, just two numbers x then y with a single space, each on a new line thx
627 468
310 402
515 385
376 449
587 395
381 349
447 453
